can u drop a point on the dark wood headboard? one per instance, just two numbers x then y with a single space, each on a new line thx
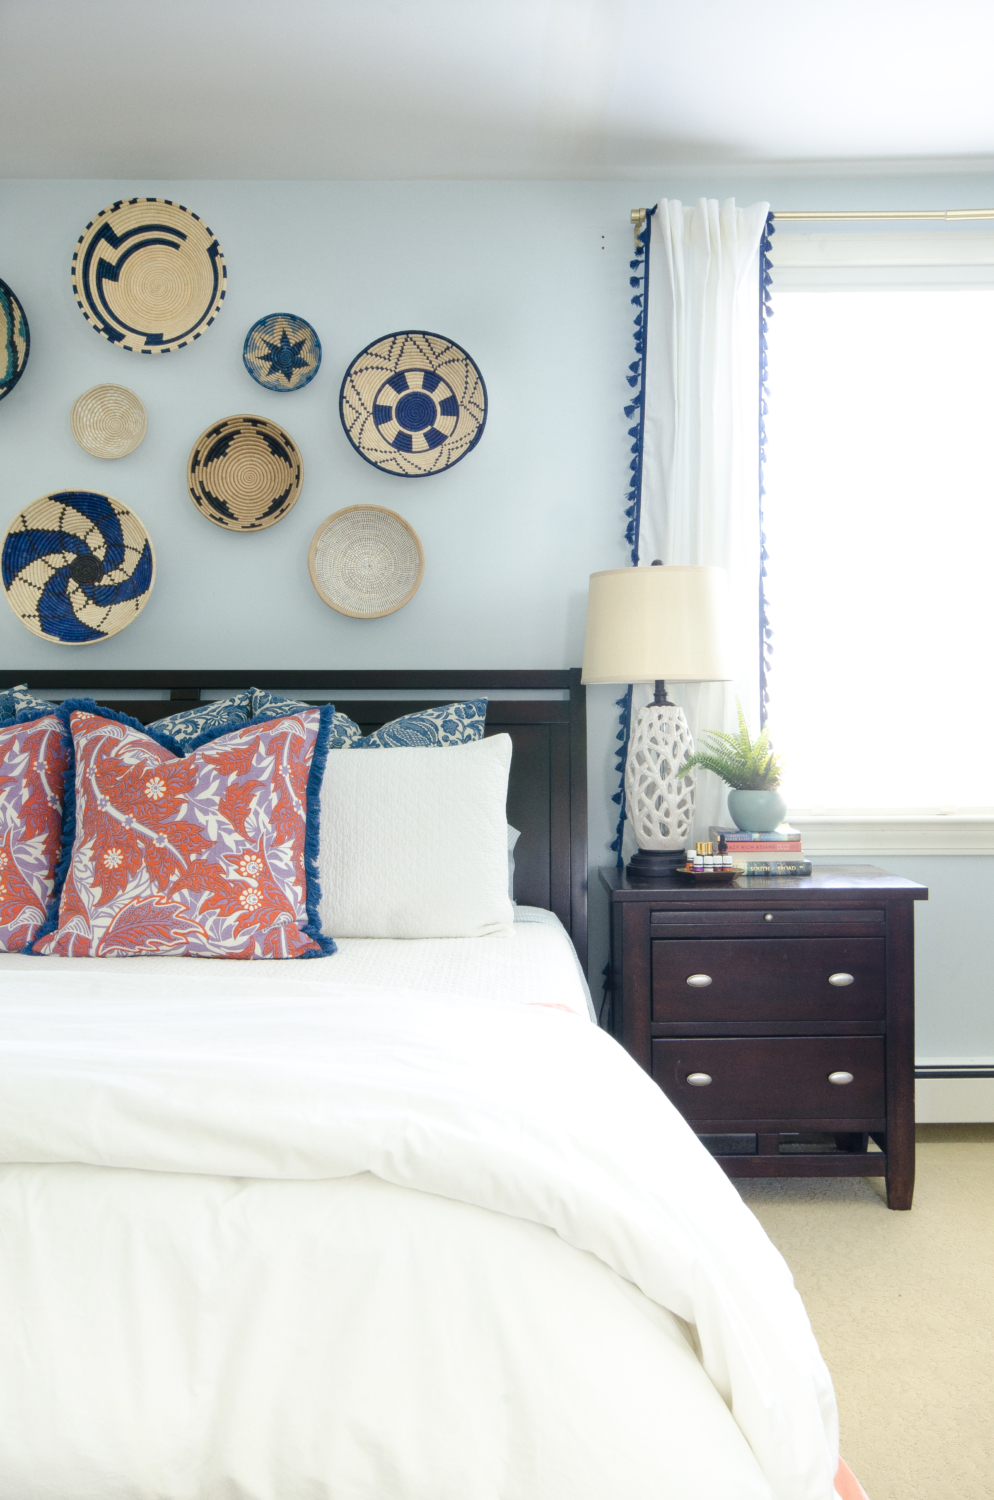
547 794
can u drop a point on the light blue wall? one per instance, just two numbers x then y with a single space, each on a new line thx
532 278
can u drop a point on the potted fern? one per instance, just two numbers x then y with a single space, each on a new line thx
751 770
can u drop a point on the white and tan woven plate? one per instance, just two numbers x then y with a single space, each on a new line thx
245 473
366 561
109 421
148 275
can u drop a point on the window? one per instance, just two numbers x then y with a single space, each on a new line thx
880 520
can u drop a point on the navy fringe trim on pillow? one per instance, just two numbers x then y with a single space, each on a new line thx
765 313
312 837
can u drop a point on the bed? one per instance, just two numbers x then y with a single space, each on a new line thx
395 1222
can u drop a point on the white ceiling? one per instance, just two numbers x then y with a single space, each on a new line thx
487 88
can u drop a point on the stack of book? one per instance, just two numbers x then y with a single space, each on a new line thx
775 853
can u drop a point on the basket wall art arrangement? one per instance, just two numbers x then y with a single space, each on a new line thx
109 421
245 473
77 567
366 561
282 352
15 340
413 403
148 275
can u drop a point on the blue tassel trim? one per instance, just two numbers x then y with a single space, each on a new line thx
312 837
765 313
633 507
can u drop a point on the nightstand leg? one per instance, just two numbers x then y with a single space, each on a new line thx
900 1190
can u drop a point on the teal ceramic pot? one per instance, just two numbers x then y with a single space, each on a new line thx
756 812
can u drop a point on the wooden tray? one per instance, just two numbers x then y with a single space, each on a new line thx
711 877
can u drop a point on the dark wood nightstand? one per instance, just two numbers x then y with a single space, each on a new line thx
778 1016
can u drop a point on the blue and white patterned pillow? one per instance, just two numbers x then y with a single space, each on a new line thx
455 724
15 700
344 731
212 718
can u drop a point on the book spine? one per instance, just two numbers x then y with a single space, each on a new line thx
776 866
790 851
742 836
780 846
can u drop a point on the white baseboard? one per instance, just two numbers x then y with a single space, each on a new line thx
954 1095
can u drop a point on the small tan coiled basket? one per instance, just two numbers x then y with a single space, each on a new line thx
366 561
108 421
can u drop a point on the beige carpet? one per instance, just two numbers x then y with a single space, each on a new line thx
903 1307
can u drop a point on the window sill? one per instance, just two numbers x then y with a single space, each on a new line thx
895 834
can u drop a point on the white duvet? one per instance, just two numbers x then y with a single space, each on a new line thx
356 1242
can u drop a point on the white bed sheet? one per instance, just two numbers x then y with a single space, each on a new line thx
534 964
341 1241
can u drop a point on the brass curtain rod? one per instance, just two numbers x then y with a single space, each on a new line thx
945 215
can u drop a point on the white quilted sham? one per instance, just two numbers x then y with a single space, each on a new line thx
414 842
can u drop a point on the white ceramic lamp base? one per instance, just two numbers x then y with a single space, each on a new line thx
659 803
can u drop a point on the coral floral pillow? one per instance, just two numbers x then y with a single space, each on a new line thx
34 758
204 854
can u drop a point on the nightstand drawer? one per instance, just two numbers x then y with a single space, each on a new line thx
773 979
756 920
772 1078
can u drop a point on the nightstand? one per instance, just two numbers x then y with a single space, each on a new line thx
777 1015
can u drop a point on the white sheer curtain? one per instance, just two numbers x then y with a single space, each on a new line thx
700 460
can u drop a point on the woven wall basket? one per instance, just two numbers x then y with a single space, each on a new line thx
109 421
282 352
15 340
77 567
149 275
366 561
244 473
413 404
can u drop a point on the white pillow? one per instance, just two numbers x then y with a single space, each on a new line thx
414 841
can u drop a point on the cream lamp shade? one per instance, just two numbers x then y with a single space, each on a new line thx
659 623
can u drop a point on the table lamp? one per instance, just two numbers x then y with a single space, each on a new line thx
658 624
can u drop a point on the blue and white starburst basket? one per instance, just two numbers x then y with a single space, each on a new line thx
282 352
77 567
413 404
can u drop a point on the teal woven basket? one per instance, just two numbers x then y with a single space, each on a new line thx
15 340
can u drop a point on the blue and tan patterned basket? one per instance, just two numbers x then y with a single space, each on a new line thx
413 404
282 352
77 567
148 275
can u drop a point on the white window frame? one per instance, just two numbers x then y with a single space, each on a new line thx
902 259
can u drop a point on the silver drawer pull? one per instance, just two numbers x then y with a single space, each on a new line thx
768 917
840 1078
699 981
698 1080
840 979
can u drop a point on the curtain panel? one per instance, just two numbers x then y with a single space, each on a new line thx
695 495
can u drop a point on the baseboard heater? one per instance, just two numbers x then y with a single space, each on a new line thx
951 1093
